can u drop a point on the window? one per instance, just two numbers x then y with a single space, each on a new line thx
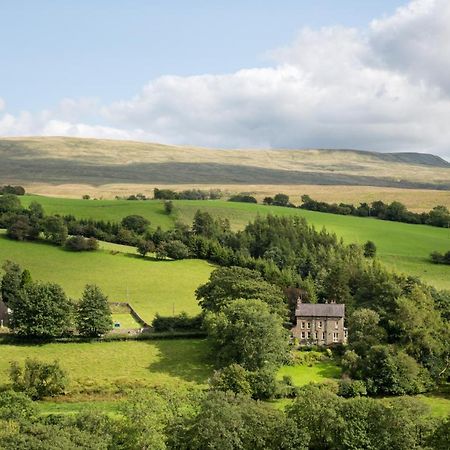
308 335
336 325
320 324
317 335
308 325
335 337
323 336
303 324
303 335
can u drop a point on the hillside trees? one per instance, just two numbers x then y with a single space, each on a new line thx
54 229
40 310
247 333
227 284
135 223
93 314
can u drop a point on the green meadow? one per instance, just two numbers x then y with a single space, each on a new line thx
402 247
109 366
151 286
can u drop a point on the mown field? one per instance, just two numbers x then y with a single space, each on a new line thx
151 286
402 247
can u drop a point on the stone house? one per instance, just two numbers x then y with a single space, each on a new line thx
320 323
4 313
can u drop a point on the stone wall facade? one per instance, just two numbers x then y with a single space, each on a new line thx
320 330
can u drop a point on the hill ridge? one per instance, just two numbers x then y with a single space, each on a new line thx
100 161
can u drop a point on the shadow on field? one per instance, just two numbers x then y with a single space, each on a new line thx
187 359
329 370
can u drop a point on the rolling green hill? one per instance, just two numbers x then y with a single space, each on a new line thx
55 160
402 247
150 286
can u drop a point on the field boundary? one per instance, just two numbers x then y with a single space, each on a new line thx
133 312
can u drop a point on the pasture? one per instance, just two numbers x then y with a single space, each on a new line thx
151 286
402 247
111 367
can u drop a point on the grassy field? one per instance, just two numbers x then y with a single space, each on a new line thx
119 363
112 210
402 247
315 373
151 286
416 200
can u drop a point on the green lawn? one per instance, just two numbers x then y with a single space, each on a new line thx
316 373
402 247
151 286
98 365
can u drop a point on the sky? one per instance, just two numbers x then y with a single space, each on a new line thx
372 74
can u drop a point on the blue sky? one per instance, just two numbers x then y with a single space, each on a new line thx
51 49
366 74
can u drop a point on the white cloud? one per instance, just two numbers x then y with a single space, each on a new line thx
386 89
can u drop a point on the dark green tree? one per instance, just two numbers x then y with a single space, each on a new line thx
281 200
93 314
145 246
135 223
247 333
12 281
227 284
9 203
40 309
54 229
370 249
168 206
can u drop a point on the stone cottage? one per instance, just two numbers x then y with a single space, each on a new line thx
320 323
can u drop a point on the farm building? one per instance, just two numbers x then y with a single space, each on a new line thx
320 323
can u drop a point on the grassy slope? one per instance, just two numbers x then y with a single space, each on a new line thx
402 247
57 160
153 286
149 363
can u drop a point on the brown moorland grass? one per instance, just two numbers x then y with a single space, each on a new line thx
416 200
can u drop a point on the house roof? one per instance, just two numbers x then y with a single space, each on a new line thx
320 309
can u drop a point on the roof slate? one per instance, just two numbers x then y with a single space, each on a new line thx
320 309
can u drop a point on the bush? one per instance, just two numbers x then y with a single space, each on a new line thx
232 378
80 243
351 388
242 198
172 249
370 249
15 190
38 379
135 223
16 406
182 322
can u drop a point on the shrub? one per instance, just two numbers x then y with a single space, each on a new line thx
38 379
351 388
181 322
243 198
232 378
16 406
80 243
173 249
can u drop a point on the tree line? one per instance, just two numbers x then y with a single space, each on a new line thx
439 216
43 310
186 419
